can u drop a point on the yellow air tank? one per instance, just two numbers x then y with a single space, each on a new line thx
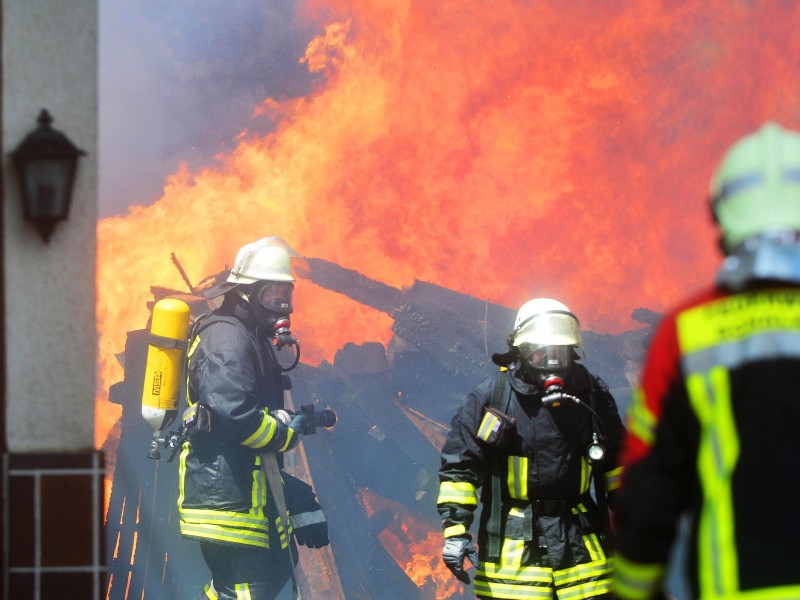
164 371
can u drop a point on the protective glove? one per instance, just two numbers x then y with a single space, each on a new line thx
308 521
453 553
311 528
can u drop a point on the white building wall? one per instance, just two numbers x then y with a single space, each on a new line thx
50 61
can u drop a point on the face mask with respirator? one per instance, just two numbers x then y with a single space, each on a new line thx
272 305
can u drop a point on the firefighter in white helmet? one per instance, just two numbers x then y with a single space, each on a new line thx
533 438
235 385
714 418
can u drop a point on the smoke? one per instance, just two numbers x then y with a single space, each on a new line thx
178 82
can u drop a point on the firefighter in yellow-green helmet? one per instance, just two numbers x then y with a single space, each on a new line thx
713 425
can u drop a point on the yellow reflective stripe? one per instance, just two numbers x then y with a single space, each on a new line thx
488 425
264 434
193 346
258 491
787 592
458 492
511 591
585 571
591 542
223 517
225 534
641 420
530 574
593 546
614 478
290 433
587 589
210 592
282 537
182 472
735 318
586 474
518 477
716 460
578 508
454 530
511 568
242 591
189 354
511 555
635 581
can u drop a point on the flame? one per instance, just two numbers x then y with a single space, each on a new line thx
415 544
501 149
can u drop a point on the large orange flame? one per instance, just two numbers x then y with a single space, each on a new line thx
415 545
501 149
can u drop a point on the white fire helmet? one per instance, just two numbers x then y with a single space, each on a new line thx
543 323
262 260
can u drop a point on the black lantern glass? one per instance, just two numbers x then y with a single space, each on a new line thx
46 162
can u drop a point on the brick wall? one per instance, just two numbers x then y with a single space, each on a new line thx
53 526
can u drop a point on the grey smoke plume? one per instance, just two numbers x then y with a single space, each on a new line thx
179 80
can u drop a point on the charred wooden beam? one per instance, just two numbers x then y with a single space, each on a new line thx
459 331
351 283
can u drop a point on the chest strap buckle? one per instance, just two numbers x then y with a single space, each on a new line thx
550 507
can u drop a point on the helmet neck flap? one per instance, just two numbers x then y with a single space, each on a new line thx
772 256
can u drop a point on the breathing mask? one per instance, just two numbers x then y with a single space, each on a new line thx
275 296
271 302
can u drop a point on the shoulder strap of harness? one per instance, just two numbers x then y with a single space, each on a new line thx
501 396
501 399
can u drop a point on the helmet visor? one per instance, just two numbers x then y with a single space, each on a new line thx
551 358
276 297
552 328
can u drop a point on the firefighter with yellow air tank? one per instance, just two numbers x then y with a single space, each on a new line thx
714 420
234 499
538 441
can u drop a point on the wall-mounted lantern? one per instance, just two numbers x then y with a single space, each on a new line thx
46 162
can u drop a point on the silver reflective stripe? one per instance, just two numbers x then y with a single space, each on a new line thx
758 347
738 184
307 518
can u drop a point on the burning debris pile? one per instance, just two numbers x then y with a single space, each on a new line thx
375 473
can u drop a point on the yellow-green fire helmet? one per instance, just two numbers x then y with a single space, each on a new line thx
756 187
